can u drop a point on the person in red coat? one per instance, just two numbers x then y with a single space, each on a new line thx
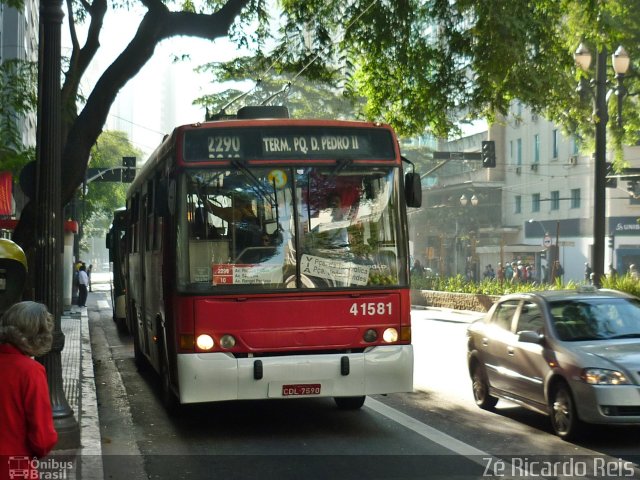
26 420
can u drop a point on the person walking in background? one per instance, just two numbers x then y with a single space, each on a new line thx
633 271
417 269
83 285
26 417
587 273
500 272
89 270
508 272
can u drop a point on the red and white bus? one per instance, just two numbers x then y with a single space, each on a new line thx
268 258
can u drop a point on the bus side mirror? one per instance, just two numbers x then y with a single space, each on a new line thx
413 190
108 241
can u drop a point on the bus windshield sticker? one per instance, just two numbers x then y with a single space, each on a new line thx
336 270
277 178
229 274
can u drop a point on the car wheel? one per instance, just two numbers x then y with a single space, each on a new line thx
480 386
349 403
564 419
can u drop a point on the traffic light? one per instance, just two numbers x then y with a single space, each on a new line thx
488 154
611 182
633 189
612 240
129 171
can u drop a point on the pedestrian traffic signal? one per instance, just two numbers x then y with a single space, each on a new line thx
488 154
129 170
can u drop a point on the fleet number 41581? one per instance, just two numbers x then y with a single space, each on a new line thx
370 309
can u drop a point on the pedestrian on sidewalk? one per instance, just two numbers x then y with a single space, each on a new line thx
89 270
83 286
25 409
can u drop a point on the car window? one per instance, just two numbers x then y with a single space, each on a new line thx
530 318
596 319
503 315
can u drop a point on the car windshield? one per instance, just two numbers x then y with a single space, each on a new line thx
596 318
252 228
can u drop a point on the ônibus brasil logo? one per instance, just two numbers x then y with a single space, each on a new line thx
23 467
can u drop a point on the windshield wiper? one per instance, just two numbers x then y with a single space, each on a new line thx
257 186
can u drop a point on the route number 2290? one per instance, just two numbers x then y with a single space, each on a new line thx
370 309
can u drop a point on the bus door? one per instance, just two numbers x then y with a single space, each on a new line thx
137 283
152 268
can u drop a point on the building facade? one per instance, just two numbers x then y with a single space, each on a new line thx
535 207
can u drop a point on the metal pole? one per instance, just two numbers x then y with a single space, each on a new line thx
49 243
601 118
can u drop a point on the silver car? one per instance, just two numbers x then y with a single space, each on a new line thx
573 355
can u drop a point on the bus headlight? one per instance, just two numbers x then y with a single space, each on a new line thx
390 335
204 342
227 341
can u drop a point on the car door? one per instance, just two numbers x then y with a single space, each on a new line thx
525 361
496 339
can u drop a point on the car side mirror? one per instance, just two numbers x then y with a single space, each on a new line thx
529 336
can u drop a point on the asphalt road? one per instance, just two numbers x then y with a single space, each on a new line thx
435 432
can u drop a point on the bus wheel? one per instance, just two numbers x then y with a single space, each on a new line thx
121 325
139 359
349 403
169 399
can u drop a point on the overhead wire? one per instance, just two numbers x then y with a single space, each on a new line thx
287 88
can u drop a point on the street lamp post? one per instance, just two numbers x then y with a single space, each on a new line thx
620 61
49 244
464 201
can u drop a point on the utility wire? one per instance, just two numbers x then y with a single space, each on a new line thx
287 88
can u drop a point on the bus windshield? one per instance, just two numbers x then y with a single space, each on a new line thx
303 227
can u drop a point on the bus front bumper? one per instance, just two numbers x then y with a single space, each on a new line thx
210 377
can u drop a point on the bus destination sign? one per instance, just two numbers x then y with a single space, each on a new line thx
304 144
288 143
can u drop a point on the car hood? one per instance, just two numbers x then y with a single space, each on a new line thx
624 353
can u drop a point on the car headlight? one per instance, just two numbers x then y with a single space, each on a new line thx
601 376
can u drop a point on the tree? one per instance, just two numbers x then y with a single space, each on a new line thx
104 197
485 55
17 101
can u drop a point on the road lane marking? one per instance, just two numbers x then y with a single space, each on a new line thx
425 430
486 460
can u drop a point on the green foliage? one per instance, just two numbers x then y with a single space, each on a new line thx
18 98
104 197
459 284
624 283
308 99
486 55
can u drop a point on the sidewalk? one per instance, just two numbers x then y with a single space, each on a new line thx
419 312
80 391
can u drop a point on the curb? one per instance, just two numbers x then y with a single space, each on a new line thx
90 440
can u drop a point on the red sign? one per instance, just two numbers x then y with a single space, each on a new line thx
5 193
222 274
